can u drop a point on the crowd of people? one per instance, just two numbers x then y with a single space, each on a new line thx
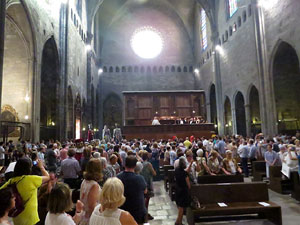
101 182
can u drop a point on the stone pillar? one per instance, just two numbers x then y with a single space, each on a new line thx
266 92
2 38
208 116
63 51
234 126
219 93
248 119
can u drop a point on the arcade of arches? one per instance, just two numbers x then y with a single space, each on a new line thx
64 66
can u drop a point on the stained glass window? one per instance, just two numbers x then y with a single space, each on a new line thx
232 7
203 29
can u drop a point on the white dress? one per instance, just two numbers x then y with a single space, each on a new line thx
108 217
85 189
62 218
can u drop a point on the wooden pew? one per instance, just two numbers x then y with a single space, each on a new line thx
240 198
208 179
166 179
296 185
258 170
278 184
172 184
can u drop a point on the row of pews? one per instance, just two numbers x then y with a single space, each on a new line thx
277 182
223 198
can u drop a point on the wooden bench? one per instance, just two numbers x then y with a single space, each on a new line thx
242 199
208 179
277 184
258 170
296 185
166 179
172 184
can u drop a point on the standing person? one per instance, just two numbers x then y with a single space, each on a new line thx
90 189
155 157
182 188
221 146
270 158
148 172
253 152
51 160
27 186
135 188
243 151
2 154
70 169
111 198
59 203
7 202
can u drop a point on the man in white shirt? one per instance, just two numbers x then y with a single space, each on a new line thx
155 121
2 154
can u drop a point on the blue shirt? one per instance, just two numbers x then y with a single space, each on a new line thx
70 168
134 187
253 151
270 156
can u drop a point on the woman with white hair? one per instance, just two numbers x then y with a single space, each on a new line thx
230 165
202 163
108 212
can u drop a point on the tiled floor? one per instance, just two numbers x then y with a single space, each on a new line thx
164 210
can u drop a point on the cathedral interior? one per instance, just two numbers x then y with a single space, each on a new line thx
69 68
65 64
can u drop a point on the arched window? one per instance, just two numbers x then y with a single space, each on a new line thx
111 69
148 69
123 69
167 69
136 69
129 69
239 21
185 69
117 69
179 69
244 16
173 69
105 69
161 69
249 10
203 29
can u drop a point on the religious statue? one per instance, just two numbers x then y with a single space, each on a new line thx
117 133
106 134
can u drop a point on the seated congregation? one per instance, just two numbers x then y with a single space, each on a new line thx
111 182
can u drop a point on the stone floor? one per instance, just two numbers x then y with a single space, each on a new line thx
164 210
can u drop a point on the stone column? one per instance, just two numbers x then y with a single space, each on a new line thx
266 92
208 116
63 46
248 119
234 127
219 92
2 38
